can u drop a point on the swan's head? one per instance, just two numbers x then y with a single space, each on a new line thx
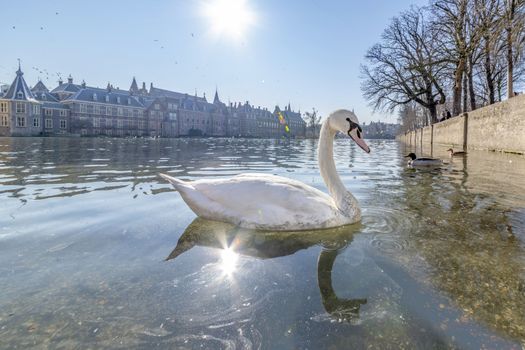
346 122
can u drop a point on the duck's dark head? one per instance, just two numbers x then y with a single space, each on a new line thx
411 156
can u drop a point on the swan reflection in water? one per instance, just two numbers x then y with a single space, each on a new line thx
234 241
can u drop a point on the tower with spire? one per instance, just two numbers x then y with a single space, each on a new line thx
216 99
134 88
20 113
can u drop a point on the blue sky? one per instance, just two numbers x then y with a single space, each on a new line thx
306 52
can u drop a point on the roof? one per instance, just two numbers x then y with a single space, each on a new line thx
293 116
48 100
147 102
19 89
67 87
39 87
88 95
156 92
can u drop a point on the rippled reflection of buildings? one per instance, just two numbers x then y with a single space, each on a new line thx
78 109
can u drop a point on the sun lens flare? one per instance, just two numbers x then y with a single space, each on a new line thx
231 18
228 261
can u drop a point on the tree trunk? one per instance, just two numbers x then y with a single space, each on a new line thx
465 93
471 85
458 79
510 64
433 113
488 72
510 68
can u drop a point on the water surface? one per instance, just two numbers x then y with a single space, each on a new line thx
97 251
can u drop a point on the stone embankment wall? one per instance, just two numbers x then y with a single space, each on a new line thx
498 127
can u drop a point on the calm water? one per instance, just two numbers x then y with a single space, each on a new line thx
97 251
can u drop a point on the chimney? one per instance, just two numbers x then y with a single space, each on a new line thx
70 79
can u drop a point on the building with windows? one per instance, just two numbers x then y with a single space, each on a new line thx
78 109
20 111
55 115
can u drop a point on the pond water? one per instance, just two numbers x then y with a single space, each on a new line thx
97 251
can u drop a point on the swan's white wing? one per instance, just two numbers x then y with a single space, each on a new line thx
263 201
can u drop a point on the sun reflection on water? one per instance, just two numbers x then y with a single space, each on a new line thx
229 259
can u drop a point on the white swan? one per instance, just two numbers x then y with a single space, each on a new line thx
269 202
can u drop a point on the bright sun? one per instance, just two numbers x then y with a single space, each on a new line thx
230 18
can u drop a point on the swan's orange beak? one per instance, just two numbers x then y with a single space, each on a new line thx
355 134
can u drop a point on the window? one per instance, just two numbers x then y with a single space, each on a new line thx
4 120
20 107
63 123
63 113
108 110
3 107
49 123
20 94
94 97
21 122
157 106
120 112
36 122
109 122
107 98
118 99
96 123
83 108
36 109
120 124
97 109
48 112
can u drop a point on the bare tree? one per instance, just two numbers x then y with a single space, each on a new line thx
488 14
513 22
406 65
412 116
461 33
313 121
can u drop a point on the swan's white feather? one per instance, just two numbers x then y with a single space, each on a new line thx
261 201
269 202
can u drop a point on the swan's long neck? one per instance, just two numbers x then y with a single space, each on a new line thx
325 156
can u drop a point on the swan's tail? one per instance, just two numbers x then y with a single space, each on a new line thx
178 184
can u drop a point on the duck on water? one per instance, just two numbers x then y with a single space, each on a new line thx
269 202
421 162
457 153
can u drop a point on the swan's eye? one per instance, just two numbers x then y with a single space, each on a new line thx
354 126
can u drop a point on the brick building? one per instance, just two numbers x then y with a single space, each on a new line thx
78 109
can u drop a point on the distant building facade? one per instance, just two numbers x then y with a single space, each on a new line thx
380 130
78 109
